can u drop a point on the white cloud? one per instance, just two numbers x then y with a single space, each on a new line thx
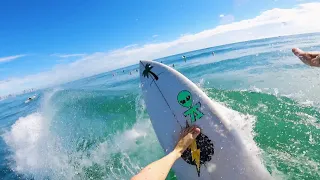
156 35
11 58
271 23
67 55
226 19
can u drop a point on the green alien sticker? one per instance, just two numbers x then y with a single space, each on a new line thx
202 149
185 100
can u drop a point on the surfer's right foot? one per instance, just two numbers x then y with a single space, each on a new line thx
187 136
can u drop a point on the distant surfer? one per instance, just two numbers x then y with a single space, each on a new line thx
212 53
308 58
30 99
160 168
172 65
184 58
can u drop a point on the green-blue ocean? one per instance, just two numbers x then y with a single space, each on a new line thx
98 127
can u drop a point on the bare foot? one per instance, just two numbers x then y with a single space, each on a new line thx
187 136
309 58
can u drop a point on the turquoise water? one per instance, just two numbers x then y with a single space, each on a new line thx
97 127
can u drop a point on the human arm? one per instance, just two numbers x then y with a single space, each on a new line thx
159 169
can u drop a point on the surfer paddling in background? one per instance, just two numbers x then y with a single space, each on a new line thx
159 169
309 58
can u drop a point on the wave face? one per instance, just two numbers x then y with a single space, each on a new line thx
98 128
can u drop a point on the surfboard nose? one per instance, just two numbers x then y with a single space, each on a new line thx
143 64
148 71
148 65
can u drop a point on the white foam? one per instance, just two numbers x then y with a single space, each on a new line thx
308 120
244 123
23 137
34 151
39 152
302 162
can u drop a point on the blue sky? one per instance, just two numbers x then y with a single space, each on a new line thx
37 35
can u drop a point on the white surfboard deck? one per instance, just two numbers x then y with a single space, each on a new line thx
169 99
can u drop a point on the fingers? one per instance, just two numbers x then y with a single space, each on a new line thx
315 61
313 54
307 55
298 52
193 130
183 132
310 58
301 55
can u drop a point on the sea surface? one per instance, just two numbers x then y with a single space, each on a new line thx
98 127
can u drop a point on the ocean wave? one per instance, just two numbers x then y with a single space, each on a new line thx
283 125
40 149
39 152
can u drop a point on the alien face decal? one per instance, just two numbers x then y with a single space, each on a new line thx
185 98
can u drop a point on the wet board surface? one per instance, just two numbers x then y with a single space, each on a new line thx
172 102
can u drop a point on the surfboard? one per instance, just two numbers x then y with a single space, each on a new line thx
173 102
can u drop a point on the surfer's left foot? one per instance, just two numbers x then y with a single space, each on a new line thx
187 136
309 58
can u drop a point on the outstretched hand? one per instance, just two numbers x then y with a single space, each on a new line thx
159 169
309 58
187 136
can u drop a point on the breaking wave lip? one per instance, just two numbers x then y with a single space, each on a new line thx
297 96
245 123
32 146
34 150
39 153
